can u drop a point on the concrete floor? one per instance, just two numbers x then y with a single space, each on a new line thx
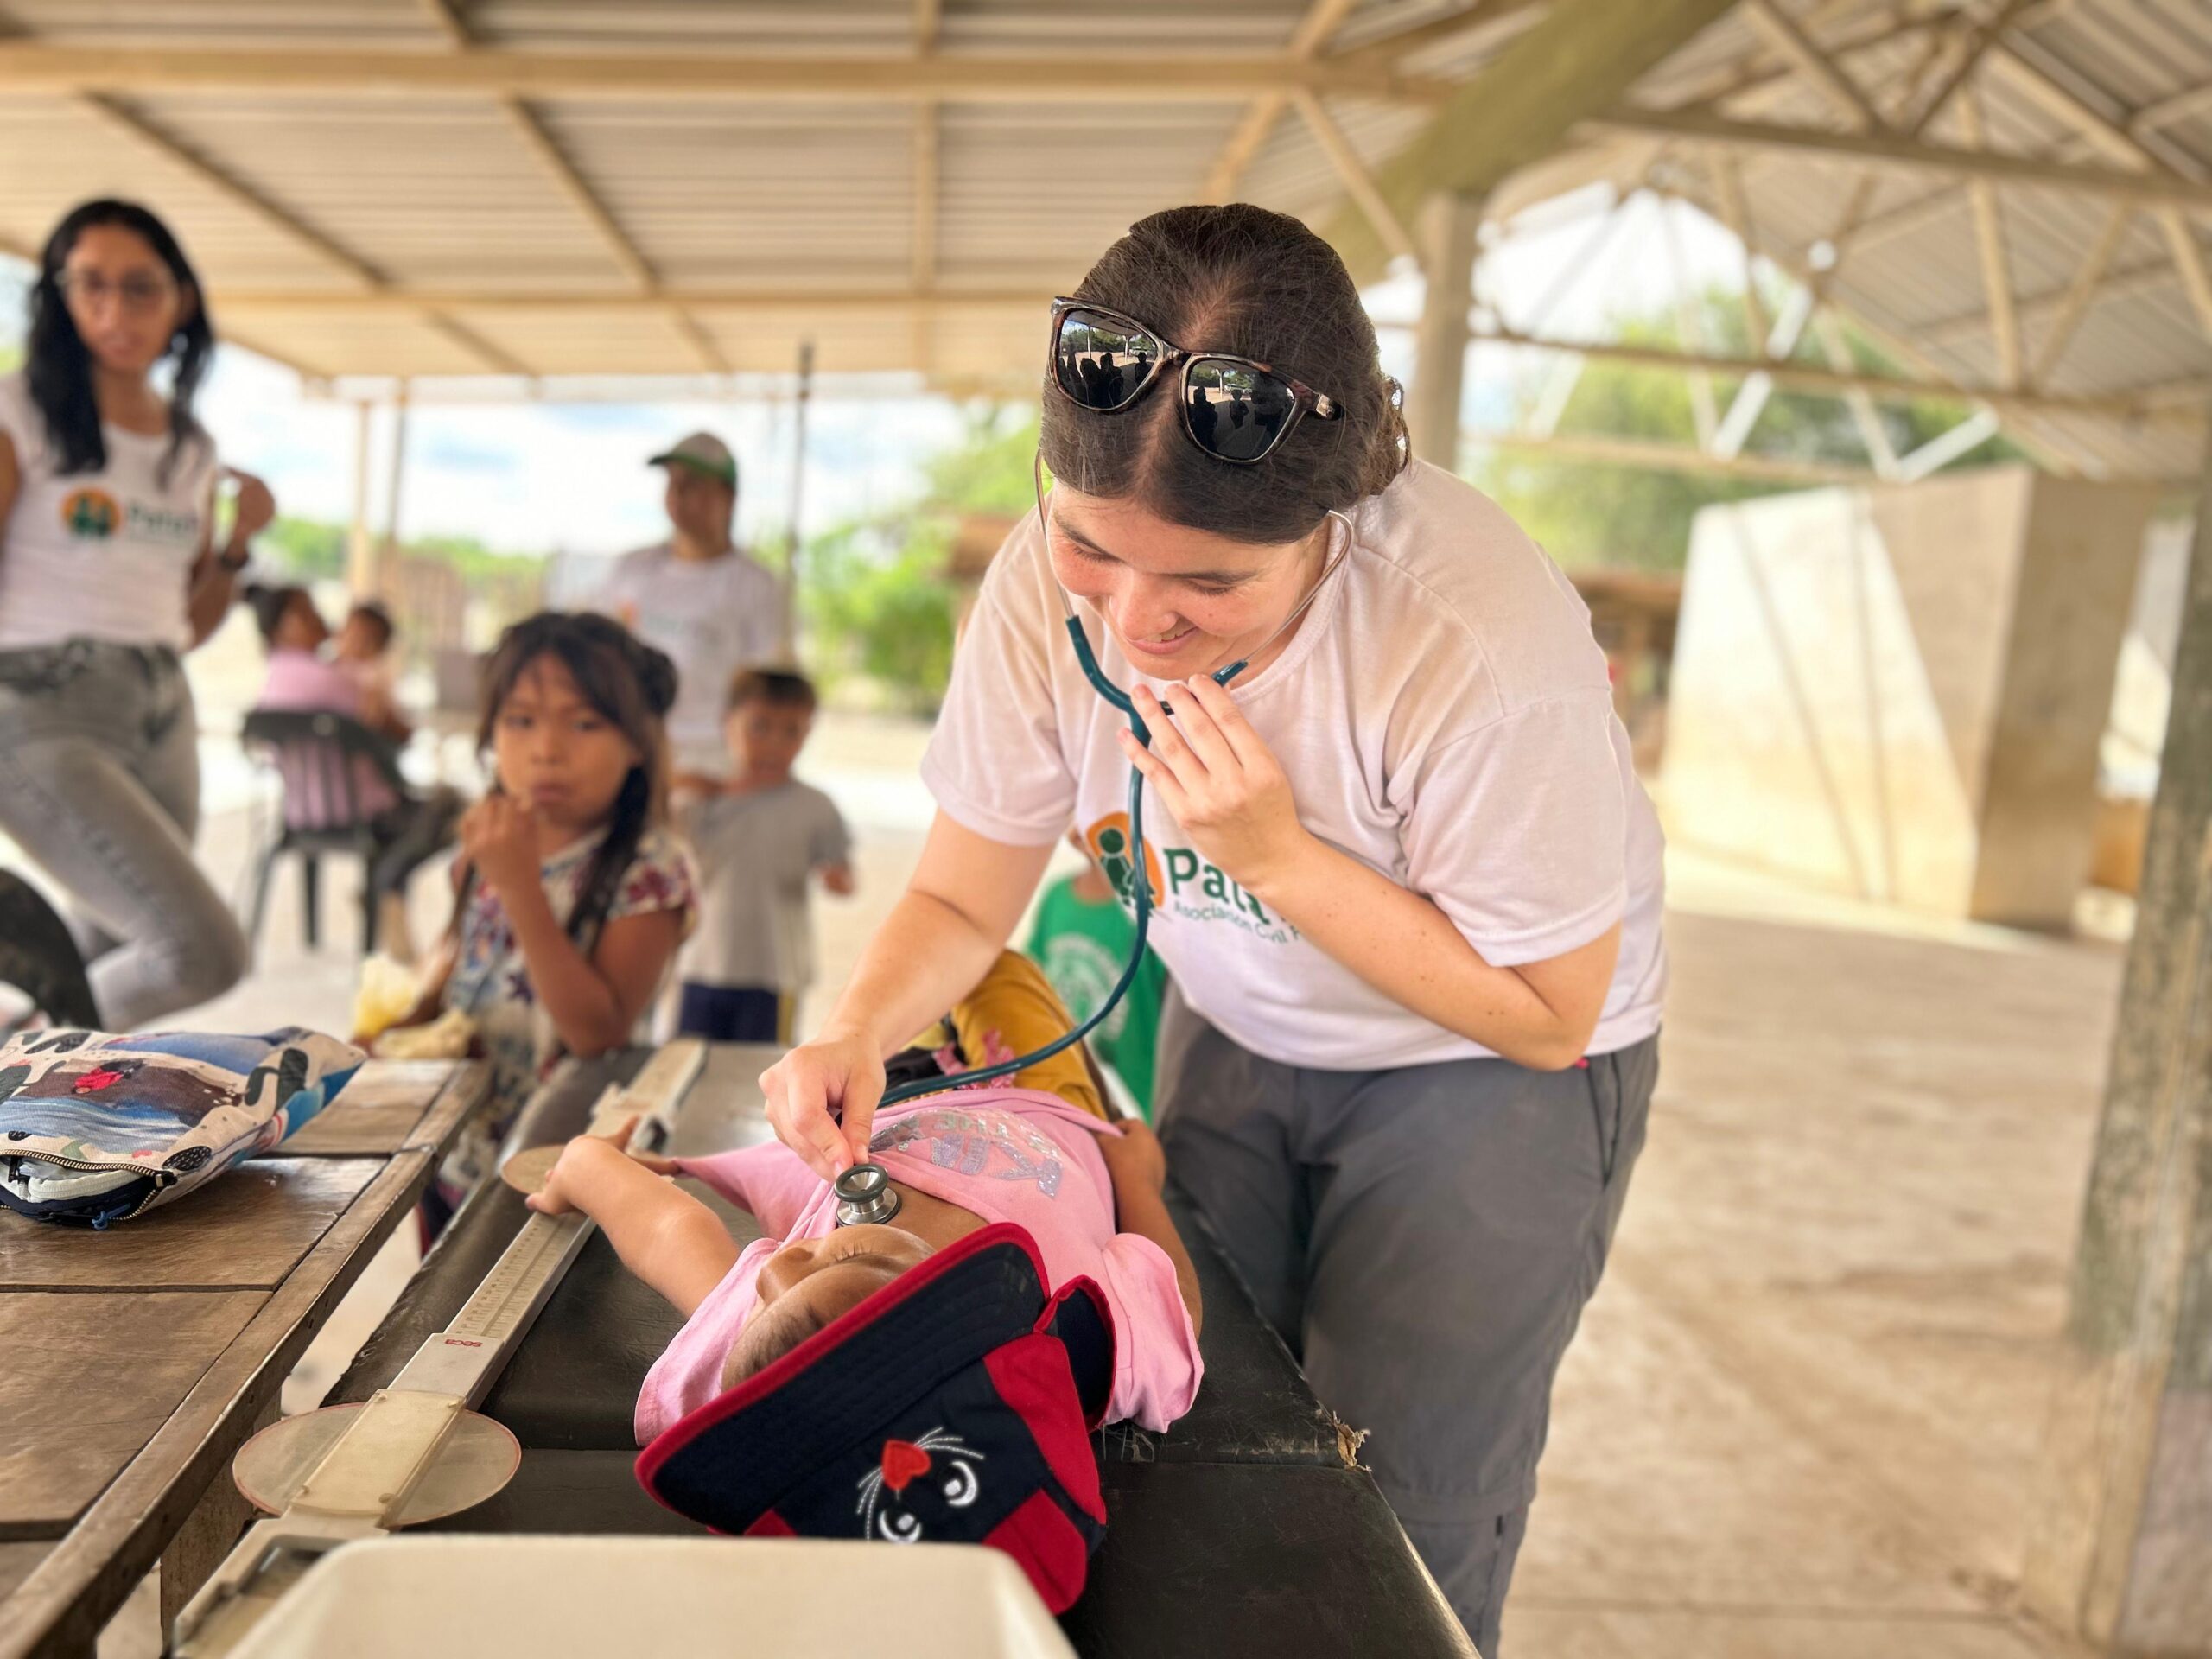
1803 1411
1803 1414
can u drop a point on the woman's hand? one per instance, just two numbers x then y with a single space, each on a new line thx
499 836
840 1072
1134 1157
1220 781
256 507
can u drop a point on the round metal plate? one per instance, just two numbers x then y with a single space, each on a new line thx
479 1457
526 1170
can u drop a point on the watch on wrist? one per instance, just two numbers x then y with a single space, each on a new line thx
234 559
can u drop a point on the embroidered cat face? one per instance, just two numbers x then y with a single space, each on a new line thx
917 1484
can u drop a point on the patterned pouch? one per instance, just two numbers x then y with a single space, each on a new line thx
95 1129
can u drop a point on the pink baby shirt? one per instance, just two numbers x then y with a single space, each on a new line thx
1007 1155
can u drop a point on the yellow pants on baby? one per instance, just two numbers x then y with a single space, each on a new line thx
1015 1010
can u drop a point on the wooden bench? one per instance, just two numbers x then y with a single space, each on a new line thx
135 1362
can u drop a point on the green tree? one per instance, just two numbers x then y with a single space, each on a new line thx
874 594
878 606
304 548
1590 512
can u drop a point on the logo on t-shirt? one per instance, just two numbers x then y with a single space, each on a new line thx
1108 841
1193 887
90 515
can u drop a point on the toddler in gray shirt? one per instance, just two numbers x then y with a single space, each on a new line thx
759 841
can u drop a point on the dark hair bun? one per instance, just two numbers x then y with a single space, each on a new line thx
656 676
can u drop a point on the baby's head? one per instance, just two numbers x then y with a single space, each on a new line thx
367 634
812 1282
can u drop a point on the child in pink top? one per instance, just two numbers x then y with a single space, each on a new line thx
1087 1190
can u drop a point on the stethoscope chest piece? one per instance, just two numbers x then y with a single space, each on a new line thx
865 1196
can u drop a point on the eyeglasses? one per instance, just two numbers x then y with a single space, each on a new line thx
138 292
1233 408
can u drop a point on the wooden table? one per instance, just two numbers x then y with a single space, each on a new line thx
134 1363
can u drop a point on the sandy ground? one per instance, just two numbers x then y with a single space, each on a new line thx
1802 1415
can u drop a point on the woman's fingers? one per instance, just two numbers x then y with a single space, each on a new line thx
1201 730
798 1110
1167 740
1226 719
859 1120
1164 782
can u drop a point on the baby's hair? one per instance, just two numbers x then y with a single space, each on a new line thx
772 1332
780 688
377 617
632 685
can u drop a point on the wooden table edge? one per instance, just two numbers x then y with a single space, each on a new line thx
62 1606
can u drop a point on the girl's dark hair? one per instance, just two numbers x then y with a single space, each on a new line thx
269 603
629 682
58 365
1242 280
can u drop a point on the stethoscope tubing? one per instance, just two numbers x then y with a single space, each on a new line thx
1141 883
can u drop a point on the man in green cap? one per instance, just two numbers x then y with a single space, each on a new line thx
699 599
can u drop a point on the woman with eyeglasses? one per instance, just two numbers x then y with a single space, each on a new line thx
108 574
1405 877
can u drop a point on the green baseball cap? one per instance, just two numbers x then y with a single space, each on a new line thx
702 451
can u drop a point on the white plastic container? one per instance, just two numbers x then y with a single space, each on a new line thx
570 1598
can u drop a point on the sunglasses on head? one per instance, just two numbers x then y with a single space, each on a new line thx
1235 409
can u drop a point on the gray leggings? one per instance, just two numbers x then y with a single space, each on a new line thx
99 784
1423 1239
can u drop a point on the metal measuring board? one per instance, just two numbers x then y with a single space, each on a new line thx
416 1449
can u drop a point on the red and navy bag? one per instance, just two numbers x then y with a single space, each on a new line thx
953 1406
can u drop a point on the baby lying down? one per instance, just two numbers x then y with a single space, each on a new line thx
1037 1169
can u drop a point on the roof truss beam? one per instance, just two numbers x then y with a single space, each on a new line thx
1892 149
30 67
529 126
1257 124
1845 381
243 195
1580 58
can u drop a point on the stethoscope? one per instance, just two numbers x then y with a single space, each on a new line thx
864 1191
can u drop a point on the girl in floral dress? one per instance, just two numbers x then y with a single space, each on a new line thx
573 895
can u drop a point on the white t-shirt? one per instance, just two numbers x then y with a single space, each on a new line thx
1443 714
714 616
100 555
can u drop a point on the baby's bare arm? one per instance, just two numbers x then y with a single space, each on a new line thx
664 1236
1138 1172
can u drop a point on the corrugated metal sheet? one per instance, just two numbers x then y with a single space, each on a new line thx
445 193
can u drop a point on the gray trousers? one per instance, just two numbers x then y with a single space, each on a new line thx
1423 1239
99 784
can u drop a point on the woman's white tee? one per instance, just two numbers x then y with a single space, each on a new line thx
101 555
1444 716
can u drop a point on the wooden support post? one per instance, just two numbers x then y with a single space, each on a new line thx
1447 235
390 551
2120 1549
360 552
